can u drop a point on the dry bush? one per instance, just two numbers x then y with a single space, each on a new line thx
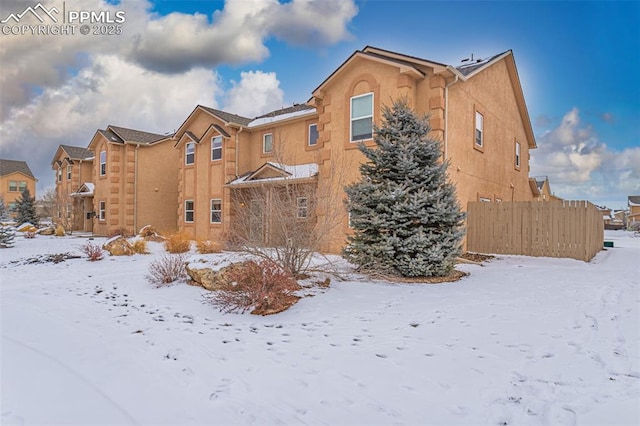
59 232
122 232
93 251
206 247
167 269
178 242
262 286
140 247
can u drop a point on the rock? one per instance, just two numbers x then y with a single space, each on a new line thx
150 233
208 278
49 230
118 246
26 227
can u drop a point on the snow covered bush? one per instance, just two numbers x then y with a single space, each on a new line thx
262 286
7 236
167 269
178 242
404 211
93 251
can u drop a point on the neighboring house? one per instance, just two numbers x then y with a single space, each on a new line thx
15 177
478 111
541 189
634 210
73 166
134 181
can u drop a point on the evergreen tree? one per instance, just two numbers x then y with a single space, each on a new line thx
4 213
7 235
404 211
26 209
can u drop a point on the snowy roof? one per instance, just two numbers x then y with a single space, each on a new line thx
283 114
634 200
273 172
85 190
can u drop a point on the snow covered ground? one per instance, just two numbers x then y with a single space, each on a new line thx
521 341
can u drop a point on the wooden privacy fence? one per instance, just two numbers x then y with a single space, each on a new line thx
573 229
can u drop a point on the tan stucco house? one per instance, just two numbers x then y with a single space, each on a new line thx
15 177
634 210
541 189
73 166
478 111
134 181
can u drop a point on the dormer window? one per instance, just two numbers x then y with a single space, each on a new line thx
103 163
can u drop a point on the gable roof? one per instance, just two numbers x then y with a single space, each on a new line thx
77 152
275 172
634 200
14 166
468 70
136 136
227 117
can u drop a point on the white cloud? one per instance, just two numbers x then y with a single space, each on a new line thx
109 91
174 43
580 166
257 93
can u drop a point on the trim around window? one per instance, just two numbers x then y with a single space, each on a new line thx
518 157
478 135
312 137
189 153
361 117
102 211
302 207
103 163
216 148
189 211
216 210
267 143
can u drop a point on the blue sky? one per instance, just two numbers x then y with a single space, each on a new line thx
577 61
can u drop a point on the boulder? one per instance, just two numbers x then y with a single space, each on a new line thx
118 246
207 277
49 230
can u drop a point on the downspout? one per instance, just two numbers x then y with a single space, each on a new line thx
135 189
240 129
446 114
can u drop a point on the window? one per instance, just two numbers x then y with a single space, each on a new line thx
361 117
13 186
267 143
485 199
22 186
102 210
190 153
216 148
68 206
103 163
216 210
188 211
302 207
517 155
313 134
59 174
479 129
69 168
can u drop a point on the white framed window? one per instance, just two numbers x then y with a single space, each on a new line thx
517 159
22 185
485 199
189 153
103 163
361 117
216 148
313 135
188 211
267 143
59 174
302 205
102 210
13 186
69 169
216 210
68 211
479 136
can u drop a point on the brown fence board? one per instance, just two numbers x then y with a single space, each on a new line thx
573 229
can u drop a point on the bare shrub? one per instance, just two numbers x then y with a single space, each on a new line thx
93 251
178 242
60 231
206 247
167 269
122 231
262 286
140 247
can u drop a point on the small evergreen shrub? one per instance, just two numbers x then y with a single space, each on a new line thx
206 247
263 286
167 269
7 236
140 247
93 251
178 242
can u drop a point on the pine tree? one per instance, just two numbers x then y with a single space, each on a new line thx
4 213
7 235
26 209
404 211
